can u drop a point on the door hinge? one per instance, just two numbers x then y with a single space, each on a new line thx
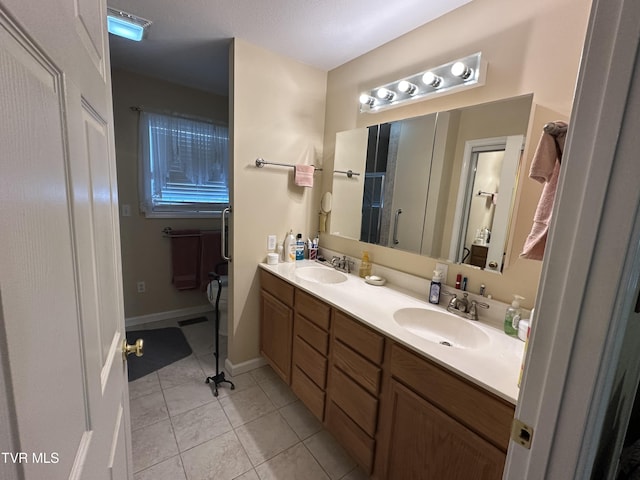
521 433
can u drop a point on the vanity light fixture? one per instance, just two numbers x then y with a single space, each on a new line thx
460 74
126 25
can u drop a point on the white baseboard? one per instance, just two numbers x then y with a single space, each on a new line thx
181 313
243 367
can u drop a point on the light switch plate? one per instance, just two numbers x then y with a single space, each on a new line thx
444 268
271 243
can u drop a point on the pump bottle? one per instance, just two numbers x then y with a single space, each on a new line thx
512 317
436 286
289 247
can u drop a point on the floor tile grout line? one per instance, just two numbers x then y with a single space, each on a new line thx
314 457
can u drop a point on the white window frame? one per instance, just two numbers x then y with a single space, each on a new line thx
159 191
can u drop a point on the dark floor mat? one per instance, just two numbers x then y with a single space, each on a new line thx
162 347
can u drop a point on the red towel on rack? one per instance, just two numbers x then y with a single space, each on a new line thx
210 257
185 259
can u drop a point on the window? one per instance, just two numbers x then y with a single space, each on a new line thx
183 166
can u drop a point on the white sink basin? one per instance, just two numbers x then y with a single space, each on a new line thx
442 328
320 275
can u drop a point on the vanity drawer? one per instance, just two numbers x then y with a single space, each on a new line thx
313 309
365 373
310 362
280 289
313 335
360 445
355 401
482 412
307 391
363 340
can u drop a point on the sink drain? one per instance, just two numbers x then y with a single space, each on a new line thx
445 343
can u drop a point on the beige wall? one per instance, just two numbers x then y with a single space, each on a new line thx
145 253
530 47
277 113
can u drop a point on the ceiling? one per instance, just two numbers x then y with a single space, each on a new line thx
188 42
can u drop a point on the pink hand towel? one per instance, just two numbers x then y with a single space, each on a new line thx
545 168
303 175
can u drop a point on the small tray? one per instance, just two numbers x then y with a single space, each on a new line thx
375 280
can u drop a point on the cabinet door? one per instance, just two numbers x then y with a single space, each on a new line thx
276 333
425 443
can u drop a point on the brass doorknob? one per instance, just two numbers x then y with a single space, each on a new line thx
137 348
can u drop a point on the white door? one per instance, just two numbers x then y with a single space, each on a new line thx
590 276
61 310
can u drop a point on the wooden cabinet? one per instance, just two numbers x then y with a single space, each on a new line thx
398 414
426 443
478 255
354 386
438 425
276 323
310 349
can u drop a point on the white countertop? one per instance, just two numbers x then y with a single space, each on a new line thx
495 366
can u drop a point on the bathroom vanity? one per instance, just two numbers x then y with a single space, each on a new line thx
401 405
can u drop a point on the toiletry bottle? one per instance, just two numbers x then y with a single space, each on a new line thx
512 317
289 247
299 247
365 265
526 345
436 286
458 280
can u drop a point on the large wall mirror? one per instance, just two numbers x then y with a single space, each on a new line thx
440 185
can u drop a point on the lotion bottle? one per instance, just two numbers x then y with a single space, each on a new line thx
436 286
289 247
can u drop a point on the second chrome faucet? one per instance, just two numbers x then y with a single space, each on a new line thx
463 307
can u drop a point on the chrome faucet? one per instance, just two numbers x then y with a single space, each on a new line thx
463 307
343 264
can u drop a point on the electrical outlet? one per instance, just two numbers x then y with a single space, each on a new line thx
271 243
142 286
444 268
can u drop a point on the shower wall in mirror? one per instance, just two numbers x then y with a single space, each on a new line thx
418 191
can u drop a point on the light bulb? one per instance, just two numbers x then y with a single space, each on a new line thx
407 87
459 69
431 79
385 94
366 99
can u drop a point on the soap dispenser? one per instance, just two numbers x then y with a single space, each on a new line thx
436 286
512 317
365 265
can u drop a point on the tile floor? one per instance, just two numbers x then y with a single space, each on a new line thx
259 431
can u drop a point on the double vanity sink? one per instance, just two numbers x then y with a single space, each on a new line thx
408 388
438 327
477 351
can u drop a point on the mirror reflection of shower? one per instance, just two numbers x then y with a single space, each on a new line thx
487 185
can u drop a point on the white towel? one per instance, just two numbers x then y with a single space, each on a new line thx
304 175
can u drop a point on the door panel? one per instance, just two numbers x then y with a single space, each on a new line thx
60 274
